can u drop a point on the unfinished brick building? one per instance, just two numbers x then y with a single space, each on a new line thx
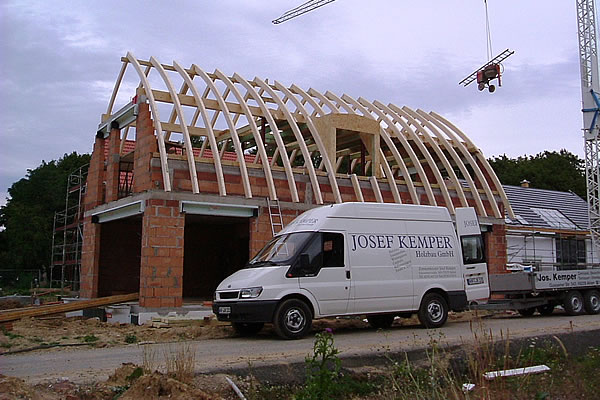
180 181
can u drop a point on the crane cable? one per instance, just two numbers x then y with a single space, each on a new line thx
488 32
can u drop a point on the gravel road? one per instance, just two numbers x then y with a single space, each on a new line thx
218 355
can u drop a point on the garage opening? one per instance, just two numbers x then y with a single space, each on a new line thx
119 266
214 248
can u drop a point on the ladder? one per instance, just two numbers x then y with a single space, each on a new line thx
275 215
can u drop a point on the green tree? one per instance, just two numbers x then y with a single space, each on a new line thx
562 171
27 217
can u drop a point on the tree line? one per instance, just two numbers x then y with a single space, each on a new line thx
26 221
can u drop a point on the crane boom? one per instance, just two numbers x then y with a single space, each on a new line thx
301 9
588 53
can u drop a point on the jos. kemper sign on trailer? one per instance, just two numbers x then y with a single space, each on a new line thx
561 279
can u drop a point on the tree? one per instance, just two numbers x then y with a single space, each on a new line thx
562 171
27 217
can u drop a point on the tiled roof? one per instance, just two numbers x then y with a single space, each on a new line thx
227 156
524 200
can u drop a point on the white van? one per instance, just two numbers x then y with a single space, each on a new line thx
373 259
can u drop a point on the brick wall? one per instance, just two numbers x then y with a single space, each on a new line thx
112 166
496 249
145 145
161 270
90 251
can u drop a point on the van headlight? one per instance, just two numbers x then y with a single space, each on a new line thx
250 293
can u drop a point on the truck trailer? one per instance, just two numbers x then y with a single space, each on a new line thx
386 260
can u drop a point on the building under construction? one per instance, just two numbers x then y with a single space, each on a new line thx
195 173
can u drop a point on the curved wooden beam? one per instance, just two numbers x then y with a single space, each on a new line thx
234 135
414 119
299 138
386 138
257 139
457 160
280 150
156 117
486 166
480 176
397 115
186 134
317 138
209 130
398 134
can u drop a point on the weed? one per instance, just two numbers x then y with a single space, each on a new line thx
131 338
6 345
324 379
139 371
90 339
149 362
36 340
9 334
180 362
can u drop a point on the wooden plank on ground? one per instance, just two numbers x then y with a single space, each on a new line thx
13 315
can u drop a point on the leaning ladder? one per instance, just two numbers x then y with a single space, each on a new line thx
275 215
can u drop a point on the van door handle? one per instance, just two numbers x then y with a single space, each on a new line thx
347 274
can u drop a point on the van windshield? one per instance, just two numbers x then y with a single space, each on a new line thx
280 250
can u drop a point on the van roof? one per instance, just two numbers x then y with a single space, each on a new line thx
316 218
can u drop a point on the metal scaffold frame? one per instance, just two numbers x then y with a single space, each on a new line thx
67 234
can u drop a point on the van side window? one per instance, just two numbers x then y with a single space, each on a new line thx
315 255
472 249
333 249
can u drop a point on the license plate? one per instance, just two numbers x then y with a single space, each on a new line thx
475 281
224 310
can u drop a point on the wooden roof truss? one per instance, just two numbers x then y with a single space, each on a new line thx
289 128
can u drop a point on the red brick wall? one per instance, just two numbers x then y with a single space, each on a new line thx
112 166
496 249
145 145
161 271
90 251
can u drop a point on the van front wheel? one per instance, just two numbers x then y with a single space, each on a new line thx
293 319
433 312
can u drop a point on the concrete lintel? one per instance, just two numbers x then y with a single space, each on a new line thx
119 212
220 209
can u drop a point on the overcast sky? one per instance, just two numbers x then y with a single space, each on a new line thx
59 61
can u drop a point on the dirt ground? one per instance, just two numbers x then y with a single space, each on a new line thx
128 382
38 334
43 334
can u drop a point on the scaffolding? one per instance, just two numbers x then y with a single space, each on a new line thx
67 234
549 251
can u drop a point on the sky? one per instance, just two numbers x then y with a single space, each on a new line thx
59 61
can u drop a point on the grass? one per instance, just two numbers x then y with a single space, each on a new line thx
442 373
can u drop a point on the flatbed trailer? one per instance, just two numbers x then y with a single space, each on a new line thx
577 291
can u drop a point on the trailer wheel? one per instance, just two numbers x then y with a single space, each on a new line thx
247 328
293 319
573 303
546 309
433 312
591 301
382 321
526 312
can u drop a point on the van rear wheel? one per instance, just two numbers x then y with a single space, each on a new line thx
293 319
380 321
433 312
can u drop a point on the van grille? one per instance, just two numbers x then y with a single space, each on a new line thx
229 295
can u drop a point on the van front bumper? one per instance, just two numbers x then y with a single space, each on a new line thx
245 311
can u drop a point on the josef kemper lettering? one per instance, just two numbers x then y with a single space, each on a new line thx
360 241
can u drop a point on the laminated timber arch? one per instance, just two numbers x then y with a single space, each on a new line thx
275 132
